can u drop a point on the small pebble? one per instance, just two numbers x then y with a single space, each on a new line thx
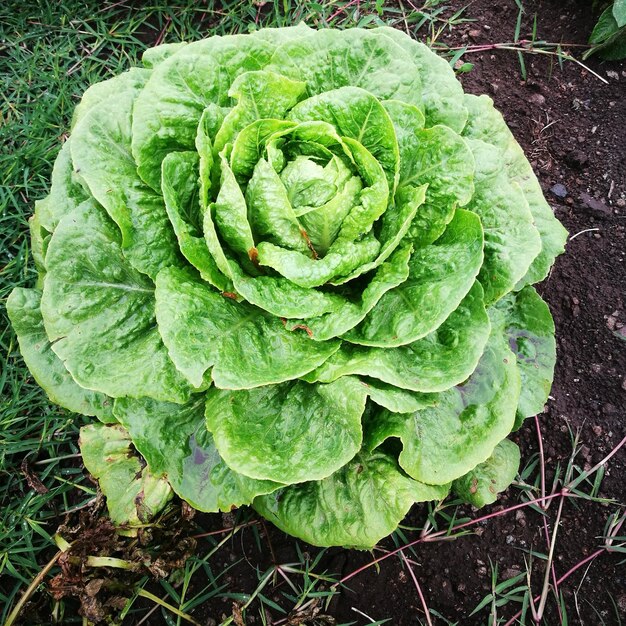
537 99
559 190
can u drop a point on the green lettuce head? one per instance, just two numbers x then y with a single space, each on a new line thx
265 256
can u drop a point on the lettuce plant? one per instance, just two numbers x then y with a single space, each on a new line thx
292 269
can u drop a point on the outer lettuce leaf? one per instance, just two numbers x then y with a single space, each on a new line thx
134 494
156 55
487 124
347 508
39 239
99 312
441 159
397 400
511 240
288 433
358 58
176 445
408 120
525 320
436 362
482 485
132 80
283 34
66 191
442 95
468 421
101 151
23 307
619 12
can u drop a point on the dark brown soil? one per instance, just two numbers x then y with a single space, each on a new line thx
573 127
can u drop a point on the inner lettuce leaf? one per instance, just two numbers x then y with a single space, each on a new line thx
168 109
245 348
292 270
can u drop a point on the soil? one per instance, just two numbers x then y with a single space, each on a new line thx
573 128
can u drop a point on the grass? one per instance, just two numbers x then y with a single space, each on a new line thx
49 53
